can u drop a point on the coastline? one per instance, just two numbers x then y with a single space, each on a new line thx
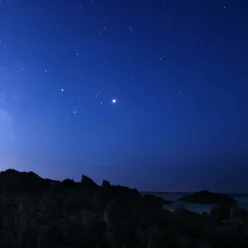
241 198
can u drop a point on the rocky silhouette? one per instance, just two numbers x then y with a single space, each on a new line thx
206 197
43 213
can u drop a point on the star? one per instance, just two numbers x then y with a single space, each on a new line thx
114 100
62 90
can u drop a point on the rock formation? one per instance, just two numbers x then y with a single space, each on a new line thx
42 213
206 197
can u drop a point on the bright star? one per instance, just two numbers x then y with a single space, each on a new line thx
113 100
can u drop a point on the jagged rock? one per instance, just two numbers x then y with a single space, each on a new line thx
88 182
117 217
154 200
37 213
220 212
228 238
242 214
70 184
106 184
12 181
23 216
43 237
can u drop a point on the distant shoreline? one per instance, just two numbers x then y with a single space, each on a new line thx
190 192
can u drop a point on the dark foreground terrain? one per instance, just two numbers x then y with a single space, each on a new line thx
41 213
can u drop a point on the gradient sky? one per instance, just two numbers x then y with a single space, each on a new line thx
177 69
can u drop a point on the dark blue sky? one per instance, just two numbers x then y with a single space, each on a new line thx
177 69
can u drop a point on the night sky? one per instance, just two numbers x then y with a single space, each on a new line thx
150 94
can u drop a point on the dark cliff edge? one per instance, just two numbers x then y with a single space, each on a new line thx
43 213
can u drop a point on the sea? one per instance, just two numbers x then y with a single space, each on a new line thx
242 200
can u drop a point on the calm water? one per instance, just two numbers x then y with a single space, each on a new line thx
242 200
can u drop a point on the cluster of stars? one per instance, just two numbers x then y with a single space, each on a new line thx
97 94
174 10
158 58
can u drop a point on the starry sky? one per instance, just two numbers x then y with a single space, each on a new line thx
150 94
